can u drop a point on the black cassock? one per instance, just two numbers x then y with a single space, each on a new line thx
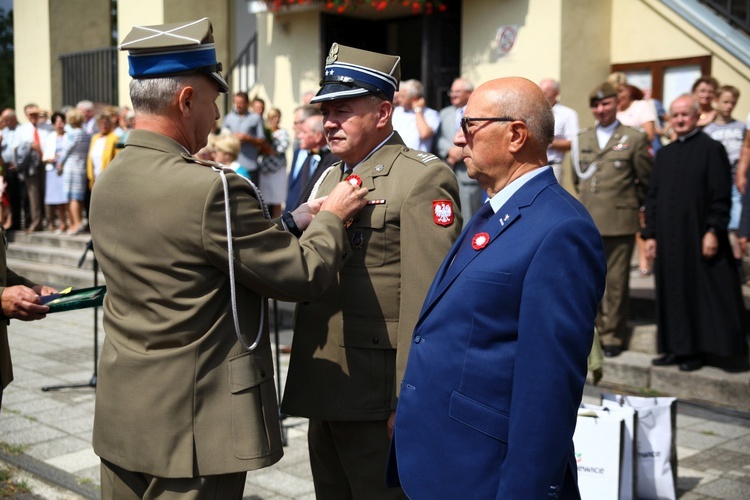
699 302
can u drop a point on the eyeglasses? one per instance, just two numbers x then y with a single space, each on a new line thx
466 120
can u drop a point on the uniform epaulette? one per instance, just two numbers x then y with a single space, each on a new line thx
421 156
584 130
201 161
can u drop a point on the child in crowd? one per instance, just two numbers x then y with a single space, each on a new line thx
730 133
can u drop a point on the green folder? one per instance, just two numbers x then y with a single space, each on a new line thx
75 299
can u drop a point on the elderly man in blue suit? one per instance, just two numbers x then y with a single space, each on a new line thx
498 359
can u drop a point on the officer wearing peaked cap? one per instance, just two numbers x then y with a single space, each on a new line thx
185 399
613 167
351 343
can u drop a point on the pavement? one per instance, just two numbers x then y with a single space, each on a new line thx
47 434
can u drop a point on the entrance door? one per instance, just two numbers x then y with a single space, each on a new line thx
429 45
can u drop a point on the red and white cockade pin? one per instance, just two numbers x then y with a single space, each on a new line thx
354 180
480 240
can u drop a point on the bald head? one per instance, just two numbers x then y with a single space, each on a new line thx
522 100
507 127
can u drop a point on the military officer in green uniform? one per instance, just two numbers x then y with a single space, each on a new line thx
613 166
19 299
351 344
186 401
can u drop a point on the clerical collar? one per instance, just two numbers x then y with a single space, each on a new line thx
346 165
683 138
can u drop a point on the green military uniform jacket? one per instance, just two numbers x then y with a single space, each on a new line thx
615 193
7 278
177 394
351 345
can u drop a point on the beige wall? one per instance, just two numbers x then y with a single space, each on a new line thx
538 39
45 30
129 14
149 12
656 34
289 56
31 41
88 29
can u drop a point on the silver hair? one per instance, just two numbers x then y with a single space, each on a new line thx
413 88
316 124
85 105
539 119
153 95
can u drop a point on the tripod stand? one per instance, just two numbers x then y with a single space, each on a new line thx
92 382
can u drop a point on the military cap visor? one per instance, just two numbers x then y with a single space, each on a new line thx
603 91
351 72
173 50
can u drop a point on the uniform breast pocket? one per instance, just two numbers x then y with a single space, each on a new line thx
367 236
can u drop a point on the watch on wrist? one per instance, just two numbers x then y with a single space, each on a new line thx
418 109
288 220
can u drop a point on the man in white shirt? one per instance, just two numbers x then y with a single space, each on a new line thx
413 120
566 126
470 192
27 145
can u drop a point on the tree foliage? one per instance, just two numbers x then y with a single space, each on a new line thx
7 84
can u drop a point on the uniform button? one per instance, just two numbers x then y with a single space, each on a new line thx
262 373
376 340
417 339
343 255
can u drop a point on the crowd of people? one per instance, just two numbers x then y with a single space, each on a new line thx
419 245
49 164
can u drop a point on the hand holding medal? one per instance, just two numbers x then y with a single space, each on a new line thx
345 200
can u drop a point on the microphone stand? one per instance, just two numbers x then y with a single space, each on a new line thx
92 382
282 416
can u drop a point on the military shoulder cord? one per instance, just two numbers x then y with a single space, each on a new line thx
230 250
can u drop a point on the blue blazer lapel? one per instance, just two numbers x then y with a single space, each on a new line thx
458 258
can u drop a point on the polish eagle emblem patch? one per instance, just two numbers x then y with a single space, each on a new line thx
442 212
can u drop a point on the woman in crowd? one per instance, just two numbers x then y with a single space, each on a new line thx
102 150
704 91
273 165
55 199
73 165
634 112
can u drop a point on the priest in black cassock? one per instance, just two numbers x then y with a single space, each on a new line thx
699 302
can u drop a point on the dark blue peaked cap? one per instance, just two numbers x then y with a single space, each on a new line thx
353 72
172 50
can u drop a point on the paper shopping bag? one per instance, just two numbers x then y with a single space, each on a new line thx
629 475
656 444
598 450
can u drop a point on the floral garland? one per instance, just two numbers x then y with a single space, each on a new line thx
341 6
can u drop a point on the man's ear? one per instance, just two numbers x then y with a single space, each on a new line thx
385 109
185 99
519 135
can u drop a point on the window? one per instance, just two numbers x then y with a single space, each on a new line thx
667 79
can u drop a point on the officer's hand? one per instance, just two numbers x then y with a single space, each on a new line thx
345 200
650 249
21 302
304 214
742 240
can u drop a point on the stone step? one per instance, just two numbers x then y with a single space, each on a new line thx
54 275
632 372
60 256
47 239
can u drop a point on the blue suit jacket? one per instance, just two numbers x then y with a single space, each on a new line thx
498 357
